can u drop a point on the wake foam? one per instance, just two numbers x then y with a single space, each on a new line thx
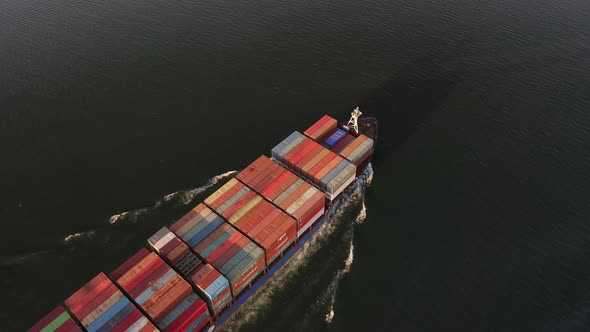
131 216
360 218
186 196
82 235
178 198
22 258
366 180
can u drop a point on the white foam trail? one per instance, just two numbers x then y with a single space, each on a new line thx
362 214
341 274
181 197
360 218
79 235
186 196
129 215
21 259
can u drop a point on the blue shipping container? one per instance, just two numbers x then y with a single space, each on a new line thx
190 299
107 315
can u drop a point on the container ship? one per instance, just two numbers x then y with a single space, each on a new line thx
197 272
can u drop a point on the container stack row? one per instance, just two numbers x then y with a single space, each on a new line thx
206 281
161 292
354 149
321 128
319 165
230 252
358 150
267 225
57 320
299 199
101 306
342 143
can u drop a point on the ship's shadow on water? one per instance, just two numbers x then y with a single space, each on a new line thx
403 103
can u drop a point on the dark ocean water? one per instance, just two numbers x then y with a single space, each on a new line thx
478 218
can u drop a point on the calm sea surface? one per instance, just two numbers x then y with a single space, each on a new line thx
478 218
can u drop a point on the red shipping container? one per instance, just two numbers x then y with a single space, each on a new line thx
178 252
231 192
204 280
221 297
238 204
323 130
68 326
321 164
257 167
358 141
312 212
168 247
315 160
148 279
328 168
309 156
274 183
82 292
183 220
161 293
83 297
169 301
294 151
254 167
253 183
223 228
262 224
232 251
253 216
128 321
283 186
134 272
185 319
314 127
146 273
225 246
296 158
280 243
141 254
231 188
246 276
98 300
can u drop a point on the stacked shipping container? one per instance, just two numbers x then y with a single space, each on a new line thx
101 306
358 150
329 171
56 320
322 127
354 149
298 198
230 252
334 138
267 225
163 294
208 282
342 143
